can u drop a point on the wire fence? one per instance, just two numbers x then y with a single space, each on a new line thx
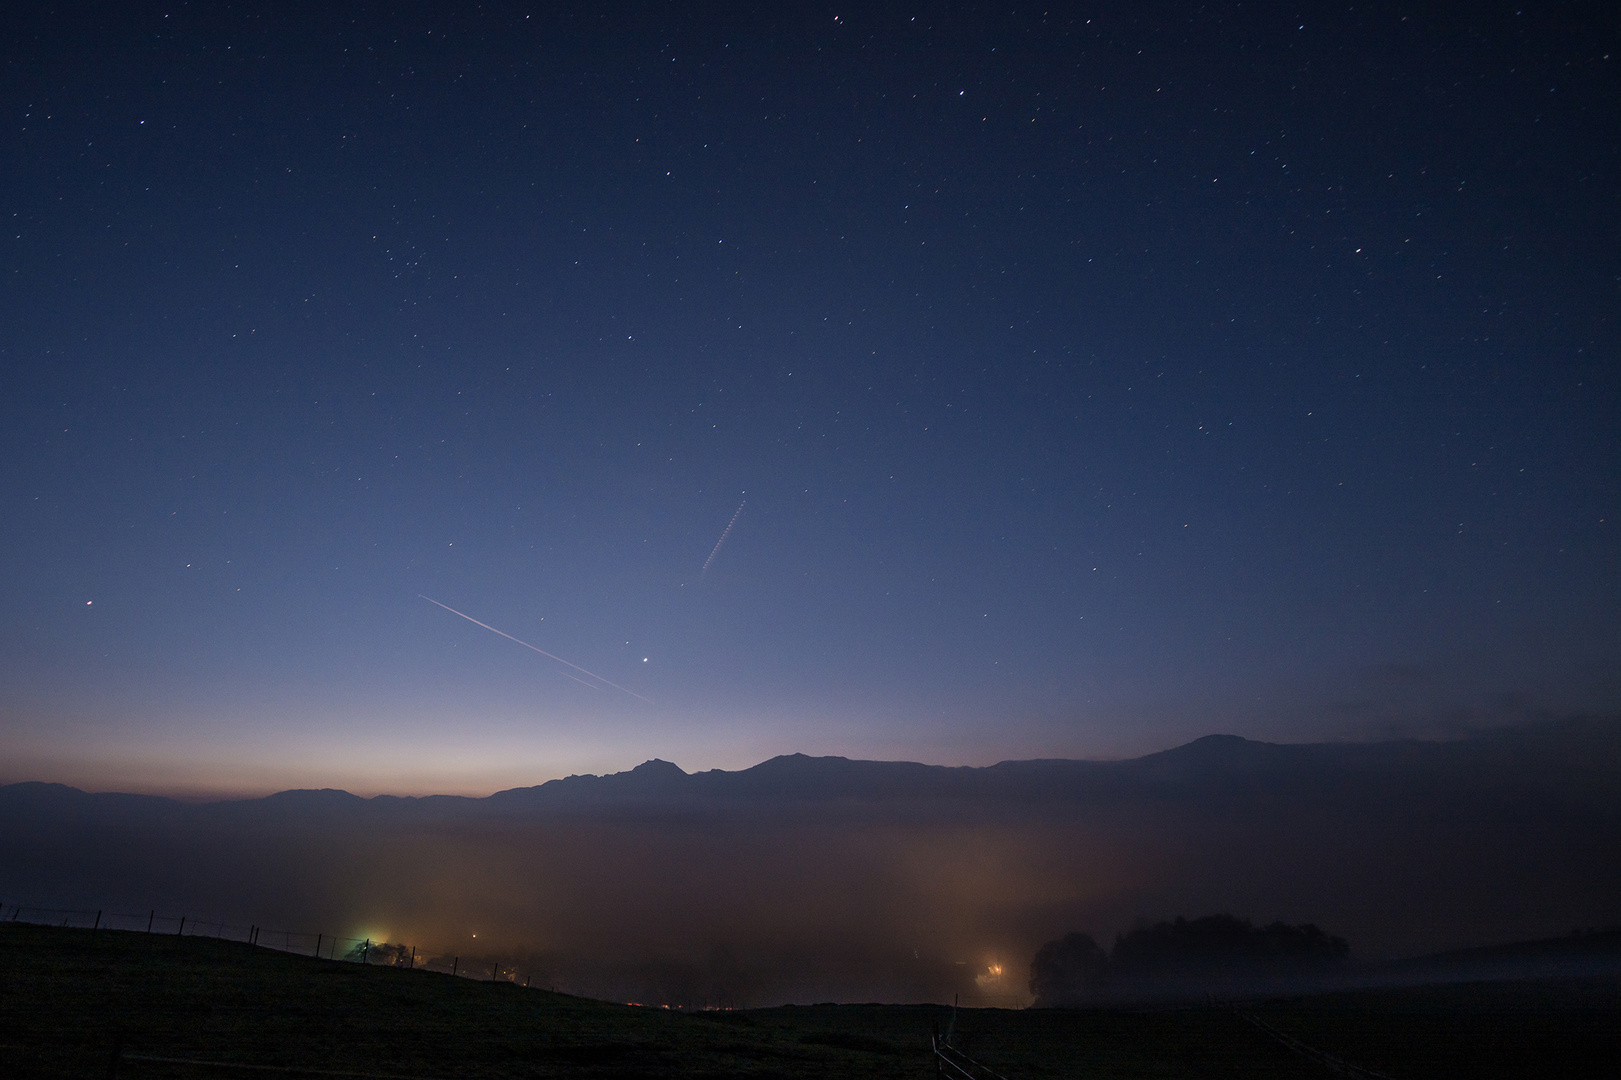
1331 1062
316 944
951 1060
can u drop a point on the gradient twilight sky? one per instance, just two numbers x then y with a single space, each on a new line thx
1095 380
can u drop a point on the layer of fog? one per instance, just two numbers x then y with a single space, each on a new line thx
663 889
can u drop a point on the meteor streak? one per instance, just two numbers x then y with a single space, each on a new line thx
543 652
723 537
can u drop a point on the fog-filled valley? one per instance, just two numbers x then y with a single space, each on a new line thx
810 879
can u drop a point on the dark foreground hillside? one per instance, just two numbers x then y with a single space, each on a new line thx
72 1000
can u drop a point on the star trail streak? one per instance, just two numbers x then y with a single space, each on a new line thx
723 536
543 652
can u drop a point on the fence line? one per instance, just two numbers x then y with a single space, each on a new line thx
1329 1061
319 945
952 1062
949 1061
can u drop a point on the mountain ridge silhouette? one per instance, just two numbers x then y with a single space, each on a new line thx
1221 765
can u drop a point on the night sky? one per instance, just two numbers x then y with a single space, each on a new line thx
1089 381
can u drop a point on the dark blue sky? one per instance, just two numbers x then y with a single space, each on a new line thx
1094 380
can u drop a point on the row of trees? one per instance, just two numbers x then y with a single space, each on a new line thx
1216 952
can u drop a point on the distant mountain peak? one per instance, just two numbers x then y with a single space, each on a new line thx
1209 748
318 796
657 767
1216 743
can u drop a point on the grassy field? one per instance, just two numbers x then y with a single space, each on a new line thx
72 999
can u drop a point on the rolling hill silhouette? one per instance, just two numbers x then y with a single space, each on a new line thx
883 880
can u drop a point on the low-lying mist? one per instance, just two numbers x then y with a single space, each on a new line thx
822 879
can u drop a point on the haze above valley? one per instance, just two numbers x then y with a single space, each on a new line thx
826 878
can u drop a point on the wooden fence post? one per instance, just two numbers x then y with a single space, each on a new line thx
96 927
150 916
495 973
182 931
454 961
413 958
318 938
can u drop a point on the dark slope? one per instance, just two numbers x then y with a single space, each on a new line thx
75 999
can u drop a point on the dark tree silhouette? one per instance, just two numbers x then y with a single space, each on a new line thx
1225 942
1068 971
1176 959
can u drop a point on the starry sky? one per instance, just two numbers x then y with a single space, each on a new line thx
1064 383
